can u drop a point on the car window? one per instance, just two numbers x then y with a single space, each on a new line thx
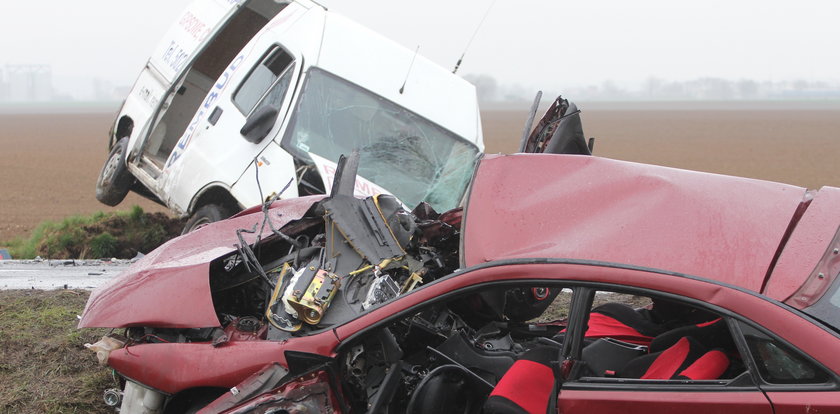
659 339
778 363
263 77
449 354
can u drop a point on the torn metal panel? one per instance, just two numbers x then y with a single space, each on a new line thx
806 245
559 131
308 394
262 381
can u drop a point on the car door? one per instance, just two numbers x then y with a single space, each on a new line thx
616 389
190 57
221 152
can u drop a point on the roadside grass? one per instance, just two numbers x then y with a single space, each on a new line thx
44 366
100 235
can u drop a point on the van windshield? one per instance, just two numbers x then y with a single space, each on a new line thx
407 155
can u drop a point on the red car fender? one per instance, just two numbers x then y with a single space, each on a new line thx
175 367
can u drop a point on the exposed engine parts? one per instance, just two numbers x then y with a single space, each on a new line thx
345 256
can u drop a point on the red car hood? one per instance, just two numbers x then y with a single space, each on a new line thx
170 287
581 207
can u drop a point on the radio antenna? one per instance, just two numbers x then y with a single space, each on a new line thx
411 65
461 59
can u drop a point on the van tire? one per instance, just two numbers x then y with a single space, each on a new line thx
114 178
205 215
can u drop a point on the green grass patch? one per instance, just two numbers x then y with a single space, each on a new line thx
44 366
100 235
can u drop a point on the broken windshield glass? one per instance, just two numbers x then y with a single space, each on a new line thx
400 151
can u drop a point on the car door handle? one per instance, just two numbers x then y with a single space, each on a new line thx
215 115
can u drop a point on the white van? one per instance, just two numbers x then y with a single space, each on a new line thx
278 90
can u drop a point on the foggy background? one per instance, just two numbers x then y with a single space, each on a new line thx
59 51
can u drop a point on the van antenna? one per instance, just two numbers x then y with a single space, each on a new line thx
461 59
411 65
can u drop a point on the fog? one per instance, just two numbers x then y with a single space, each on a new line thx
522 45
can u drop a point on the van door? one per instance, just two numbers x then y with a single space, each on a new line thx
196 52
237 129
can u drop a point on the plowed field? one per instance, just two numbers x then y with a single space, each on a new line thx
49 162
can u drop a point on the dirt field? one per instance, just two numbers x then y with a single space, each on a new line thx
786 144
49 162
48 169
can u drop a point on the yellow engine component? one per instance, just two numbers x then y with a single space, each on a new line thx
312 302
412 281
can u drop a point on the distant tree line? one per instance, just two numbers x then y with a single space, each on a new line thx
708 88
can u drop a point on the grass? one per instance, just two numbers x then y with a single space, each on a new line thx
100 235
44 367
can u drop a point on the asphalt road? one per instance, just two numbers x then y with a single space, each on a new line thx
58 274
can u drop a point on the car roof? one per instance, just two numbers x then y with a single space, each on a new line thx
723 228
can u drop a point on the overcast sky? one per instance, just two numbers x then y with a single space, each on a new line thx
535 43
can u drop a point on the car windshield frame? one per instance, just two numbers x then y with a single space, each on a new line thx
827 308
408 155
819 295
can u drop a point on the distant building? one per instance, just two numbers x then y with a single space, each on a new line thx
29 83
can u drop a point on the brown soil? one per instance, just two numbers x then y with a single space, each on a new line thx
48 169
795 146
49 162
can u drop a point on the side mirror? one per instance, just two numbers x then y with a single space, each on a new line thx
259 123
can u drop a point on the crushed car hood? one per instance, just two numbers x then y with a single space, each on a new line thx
581 207
157 288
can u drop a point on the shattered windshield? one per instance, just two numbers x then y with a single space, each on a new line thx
408 155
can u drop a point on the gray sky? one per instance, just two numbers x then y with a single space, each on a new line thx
535 43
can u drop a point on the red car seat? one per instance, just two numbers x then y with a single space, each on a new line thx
712 334
528 385
619 321
685 359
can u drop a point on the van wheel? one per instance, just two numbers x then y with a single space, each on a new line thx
114 179
205 215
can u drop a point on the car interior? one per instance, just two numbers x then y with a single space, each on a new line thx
500 348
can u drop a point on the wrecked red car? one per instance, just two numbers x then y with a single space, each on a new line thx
566 283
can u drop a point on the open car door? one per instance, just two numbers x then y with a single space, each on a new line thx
185 67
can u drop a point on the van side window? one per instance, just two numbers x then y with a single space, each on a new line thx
274 97
262 78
